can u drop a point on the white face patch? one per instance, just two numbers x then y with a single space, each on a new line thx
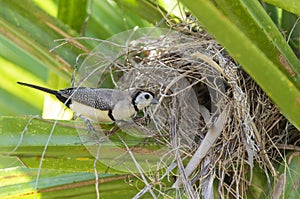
143 100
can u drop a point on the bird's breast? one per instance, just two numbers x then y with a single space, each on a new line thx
123 110
89 112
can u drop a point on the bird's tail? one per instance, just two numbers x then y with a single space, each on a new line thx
47 90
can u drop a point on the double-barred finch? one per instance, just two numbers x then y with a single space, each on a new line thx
100 104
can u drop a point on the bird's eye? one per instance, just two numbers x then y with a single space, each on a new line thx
147 96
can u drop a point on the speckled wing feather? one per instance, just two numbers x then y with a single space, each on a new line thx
93 97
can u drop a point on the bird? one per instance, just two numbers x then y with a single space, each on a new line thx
102 104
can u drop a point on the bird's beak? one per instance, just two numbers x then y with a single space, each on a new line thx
154 101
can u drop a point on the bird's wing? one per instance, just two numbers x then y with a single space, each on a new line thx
97 98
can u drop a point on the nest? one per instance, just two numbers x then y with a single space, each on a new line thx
213 119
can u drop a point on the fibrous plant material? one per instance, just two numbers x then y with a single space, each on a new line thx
213 122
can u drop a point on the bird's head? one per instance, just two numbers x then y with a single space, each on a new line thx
143 99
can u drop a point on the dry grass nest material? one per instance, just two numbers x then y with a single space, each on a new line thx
249 129
212 115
